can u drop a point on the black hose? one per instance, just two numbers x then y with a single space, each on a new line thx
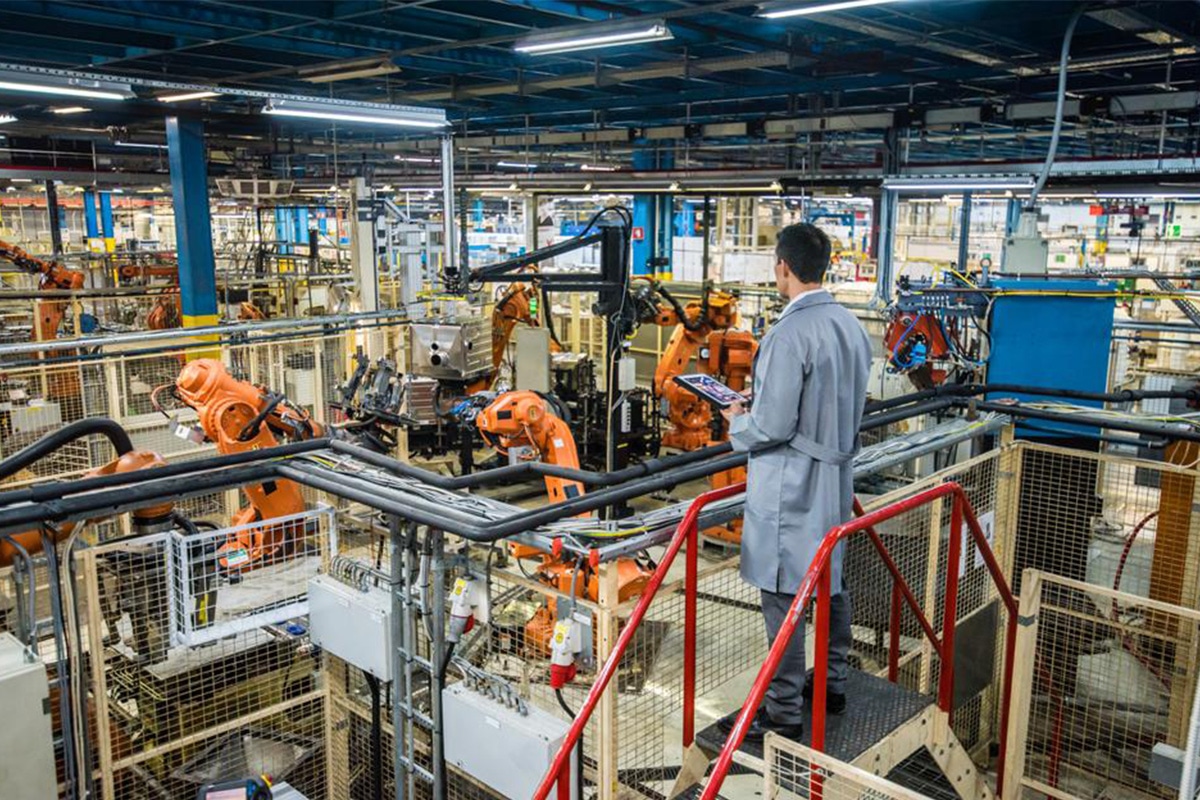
562 703
513 472
977 389
251 428
92 426
54 490
376 737
677 307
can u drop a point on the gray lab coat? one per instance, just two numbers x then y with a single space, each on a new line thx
810 385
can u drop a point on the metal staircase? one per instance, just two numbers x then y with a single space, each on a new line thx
887 728
885 731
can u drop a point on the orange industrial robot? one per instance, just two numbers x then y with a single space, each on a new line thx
238 416
523 419
517 304
31 541
704 330
52 276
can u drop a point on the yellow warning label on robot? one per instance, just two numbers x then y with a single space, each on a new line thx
460 586
561 630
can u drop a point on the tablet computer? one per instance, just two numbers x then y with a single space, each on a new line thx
711 389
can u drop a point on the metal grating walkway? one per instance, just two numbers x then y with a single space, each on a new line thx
875 709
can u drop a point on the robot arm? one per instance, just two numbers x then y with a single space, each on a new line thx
239 416
522 418
702 324
518 303
52 276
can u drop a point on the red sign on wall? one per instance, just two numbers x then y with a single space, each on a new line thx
639 233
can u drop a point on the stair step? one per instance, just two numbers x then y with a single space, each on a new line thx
875 708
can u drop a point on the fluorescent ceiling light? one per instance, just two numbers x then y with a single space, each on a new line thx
21 180
600 34
148 145
516 165
597 168
416 159
69 110
14 81
183 98
6 118
371 113
915 185
783 10
1156 195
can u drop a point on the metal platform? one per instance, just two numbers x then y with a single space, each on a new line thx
875 709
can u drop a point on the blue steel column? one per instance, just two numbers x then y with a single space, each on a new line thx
106 222
91 221
193 229
643 216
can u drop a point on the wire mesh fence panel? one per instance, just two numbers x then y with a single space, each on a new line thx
795 772
197 664
1110 676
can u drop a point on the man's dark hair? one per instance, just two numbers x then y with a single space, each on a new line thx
805 249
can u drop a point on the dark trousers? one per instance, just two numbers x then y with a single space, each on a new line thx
784 703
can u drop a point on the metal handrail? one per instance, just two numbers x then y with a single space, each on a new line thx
560 769
817 580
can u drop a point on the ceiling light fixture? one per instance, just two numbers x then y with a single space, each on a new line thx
183 98
416 159
597 168
7 118
1155 195
601 34
69 110
147 145
12 80
515 165
784 10
21 180
917 185
371 113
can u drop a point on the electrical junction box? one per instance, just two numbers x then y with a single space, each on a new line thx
26 743
532 359
1026 255
626 374
354 625
497 745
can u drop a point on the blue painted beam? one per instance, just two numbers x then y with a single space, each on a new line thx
193 230
90 221
106 222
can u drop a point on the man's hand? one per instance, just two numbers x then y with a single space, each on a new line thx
733 410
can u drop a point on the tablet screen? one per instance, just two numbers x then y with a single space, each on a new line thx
710 388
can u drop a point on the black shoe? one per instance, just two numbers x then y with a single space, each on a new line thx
835 702
759 726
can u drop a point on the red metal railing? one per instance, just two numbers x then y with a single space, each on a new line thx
817 580
687 531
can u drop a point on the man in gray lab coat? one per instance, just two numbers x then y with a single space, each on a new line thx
801 430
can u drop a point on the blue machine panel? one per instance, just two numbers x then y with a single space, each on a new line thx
1051 338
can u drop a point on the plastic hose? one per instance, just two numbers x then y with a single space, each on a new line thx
95 426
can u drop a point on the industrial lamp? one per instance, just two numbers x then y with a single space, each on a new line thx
782 10
601 34
371 113
64 86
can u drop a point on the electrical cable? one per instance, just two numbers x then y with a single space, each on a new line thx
58 439
1060 102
